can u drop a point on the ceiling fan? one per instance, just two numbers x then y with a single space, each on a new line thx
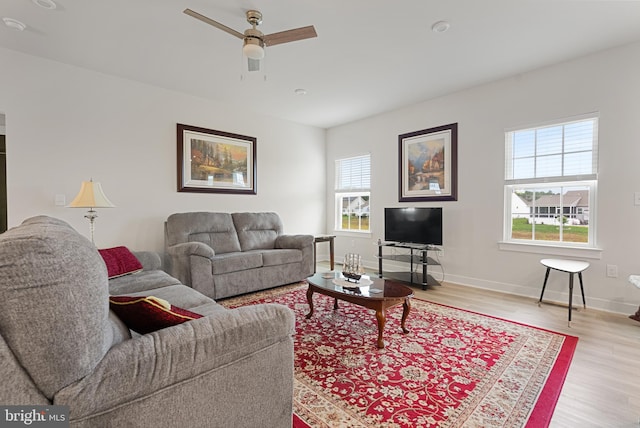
254 40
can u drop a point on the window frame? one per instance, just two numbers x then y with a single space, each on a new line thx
340 212
509 189
341 192
588 181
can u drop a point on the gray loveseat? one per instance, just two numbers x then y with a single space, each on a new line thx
60 344
223 254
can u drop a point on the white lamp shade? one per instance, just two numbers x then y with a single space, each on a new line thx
253 51
91 196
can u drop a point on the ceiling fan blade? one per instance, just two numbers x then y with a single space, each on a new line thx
254 64
290 35
216 24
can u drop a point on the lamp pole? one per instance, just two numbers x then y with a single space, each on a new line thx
91 215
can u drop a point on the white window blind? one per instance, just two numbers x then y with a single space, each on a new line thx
353 174
560 152
551 174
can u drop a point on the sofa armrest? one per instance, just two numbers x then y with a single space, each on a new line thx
294 241
181 259
197 355
186 249
303 243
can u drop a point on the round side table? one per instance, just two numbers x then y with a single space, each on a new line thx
571 267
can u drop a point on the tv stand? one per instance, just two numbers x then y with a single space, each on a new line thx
417 255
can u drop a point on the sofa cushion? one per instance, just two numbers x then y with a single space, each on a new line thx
179 295
234 262
120 330
214 229
187 298
120 261
145 314
51 270
257 231
141 281
208 308
17 388
150 260
281 257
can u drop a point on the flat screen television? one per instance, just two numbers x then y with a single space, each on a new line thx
421 225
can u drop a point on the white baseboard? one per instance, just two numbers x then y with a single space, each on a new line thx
561 297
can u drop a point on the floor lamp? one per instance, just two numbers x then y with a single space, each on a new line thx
91 196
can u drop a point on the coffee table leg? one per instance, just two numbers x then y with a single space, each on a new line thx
310 301
406 308
335 304
382 320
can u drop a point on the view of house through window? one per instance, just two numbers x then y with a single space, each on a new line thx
551 214
355 212
353 184
550 181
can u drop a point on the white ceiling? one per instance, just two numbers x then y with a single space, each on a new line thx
369 56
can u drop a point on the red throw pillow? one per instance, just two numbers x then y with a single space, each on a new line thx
120 261
144 314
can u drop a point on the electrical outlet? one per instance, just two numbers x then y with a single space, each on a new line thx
612 271
440 252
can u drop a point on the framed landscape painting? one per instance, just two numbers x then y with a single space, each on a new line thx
215 161
428 164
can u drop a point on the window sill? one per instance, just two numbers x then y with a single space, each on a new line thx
555 250
353 233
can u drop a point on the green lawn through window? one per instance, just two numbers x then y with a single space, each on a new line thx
521 229
354 222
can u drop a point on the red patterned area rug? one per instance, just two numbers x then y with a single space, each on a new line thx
454 369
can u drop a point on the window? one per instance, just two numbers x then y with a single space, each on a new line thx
550 183
353 185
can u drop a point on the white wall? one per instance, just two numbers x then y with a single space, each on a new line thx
608 82
65 125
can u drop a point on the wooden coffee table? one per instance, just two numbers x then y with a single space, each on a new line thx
391 294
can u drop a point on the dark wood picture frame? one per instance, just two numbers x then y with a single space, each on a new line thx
211 161
428 164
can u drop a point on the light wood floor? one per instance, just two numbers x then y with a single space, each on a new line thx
602 388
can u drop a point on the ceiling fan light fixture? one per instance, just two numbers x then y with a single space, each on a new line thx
253 48
254 40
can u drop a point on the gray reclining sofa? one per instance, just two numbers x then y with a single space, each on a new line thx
223 254
60 343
